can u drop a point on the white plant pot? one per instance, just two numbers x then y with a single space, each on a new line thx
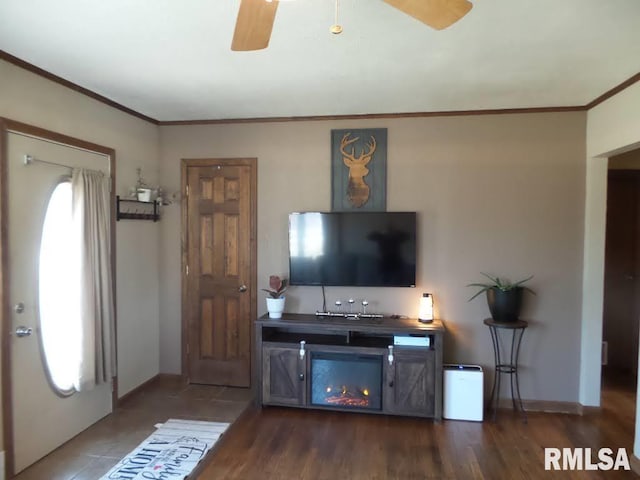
144 194
275 307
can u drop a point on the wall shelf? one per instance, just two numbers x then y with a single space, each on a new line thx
131 209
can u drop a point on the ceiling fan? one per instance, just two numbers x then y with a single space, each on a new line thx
255 18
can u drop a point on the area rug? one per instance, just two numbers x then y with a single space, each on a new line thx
172 451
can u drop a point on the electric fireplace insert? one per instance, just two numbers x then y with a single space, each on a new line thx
346 380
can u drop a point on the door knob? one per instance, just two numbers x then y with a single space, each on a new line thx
23 331
242 288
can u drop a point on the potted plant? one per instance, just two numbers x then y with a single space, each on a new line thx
275 300
503 297
143 192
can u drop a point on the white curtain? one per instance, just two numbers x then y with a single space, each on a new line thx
92 225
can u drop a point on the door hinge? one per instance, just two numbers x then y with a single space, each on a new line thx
187 269
187 191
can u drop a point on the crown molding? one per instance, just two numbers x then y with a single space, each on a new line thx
454 113
615 90
73 86
367 116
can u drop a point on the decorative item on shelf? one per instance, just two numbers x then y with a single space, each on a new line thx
339 306
425 314
142 190
351 301
504 298
163 197
275 300
365 303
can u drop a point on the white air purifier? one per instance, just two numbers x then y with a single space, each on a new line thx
463 392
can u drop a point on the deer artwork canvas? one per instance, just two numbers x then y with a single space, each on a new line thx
359 169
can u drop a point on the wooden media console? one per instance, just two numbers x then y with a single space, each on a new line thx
373 365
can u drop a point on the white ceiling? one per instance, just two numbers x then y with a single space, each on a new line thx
171 59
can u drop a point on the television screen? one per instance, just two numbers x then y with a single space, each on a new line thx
367 249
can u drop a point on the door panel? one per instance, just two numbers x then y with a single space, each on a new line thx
281 382
219 295
411 383
41 419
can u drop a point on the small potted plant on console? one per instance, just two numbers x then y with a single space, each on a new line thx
275 300
503 297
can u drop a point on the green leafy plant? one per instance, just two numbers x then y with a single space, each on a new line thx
277 286
499 284
140 183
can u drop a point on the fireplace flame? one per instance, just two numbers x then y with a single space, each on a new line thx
347 398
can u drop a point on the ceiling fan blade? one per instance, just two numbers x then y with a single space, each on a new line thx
254 25
438 14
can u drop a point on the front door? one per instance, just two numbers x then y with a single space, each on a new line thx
44 416
220 263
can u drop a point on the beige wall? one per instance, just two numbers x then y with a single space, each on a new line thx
28 98
501 194
613 127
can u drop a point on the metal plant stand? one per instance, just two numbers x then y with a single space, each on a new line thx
517 329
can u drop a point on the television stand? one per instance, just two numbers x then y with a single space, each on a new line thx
366 364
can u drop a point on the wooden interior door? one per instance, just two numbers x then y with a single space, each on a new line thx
219 220
622 259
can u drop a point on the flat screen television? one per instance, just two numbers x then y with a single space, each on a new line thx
364 249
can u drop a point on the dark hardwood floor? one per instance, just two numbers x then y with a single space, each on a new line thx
290 444
280 443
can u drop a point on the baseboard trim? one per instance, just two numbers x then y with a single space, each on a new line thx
546 406
159 377
586 410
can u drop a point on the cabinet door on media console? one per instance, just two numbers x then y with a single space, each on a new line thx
284 376
410 383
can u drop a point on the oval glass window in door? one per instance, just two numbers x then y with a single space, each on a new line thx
59 292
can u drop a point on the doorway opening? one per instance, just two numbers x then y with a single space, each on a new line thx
620 326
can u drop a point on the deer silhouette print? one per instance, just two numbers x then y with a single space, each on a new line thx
357 188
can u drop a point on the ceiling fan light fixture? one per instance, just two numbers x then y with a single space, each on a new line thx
336 28
255 18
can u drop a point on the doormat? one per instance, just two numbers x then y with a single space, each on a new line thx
172 451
